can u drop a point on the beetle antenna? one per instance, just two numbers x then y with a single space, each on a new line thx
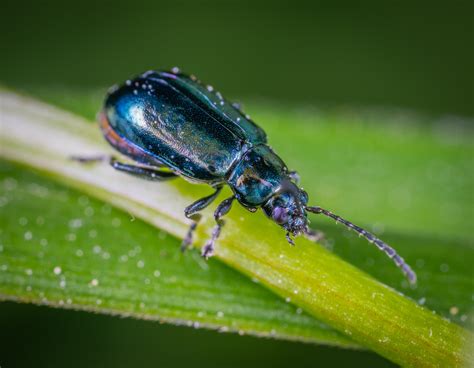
388 250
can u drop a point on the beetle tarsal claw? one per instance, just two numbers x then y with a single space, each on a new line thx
288 238
208 250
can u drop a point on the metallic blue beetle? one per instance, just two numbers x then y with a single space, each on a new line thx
171 125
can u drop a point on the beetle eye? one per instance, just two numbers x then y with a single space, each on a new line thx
280 215
304 197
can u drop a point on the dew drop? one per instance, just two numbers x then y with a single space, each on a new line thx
420 263
94 282
71 237
116 222
83 200
89 211
444 267
75 223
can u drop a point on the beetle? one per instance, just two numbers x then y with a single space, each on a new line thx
171 125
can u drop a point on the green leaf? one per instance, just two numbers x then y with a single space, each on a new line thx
65 249
309 276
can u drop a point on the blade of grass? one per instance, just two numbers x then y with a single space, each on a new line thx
410 175
309 276
64 249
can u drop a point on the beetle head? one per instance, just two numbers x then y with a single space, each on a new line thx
287 208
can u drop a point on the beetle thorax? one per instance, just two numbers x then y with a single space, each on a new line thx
257 176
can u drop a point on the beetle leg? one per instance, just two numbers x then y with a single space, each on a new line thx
202 203
294 176
141 171
191 213
313 235
90 159
289 240
221 210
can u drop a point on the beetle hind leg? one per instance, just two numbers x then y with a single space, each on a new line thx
223 208
90 159
143 172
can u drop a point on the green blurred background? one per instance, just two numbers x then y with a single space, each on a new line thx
417 56
405 54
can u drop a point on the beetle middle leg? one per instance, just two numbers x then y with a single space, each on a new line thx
223 208
191 212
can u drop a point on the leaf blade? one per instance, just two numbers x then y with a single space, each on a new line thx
446 343
89 256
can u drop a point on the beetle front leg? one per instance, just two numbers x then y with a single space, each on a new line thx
191 212
223 208
313 235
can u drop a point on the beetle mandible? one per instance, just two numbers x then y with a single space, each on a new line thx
171 125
